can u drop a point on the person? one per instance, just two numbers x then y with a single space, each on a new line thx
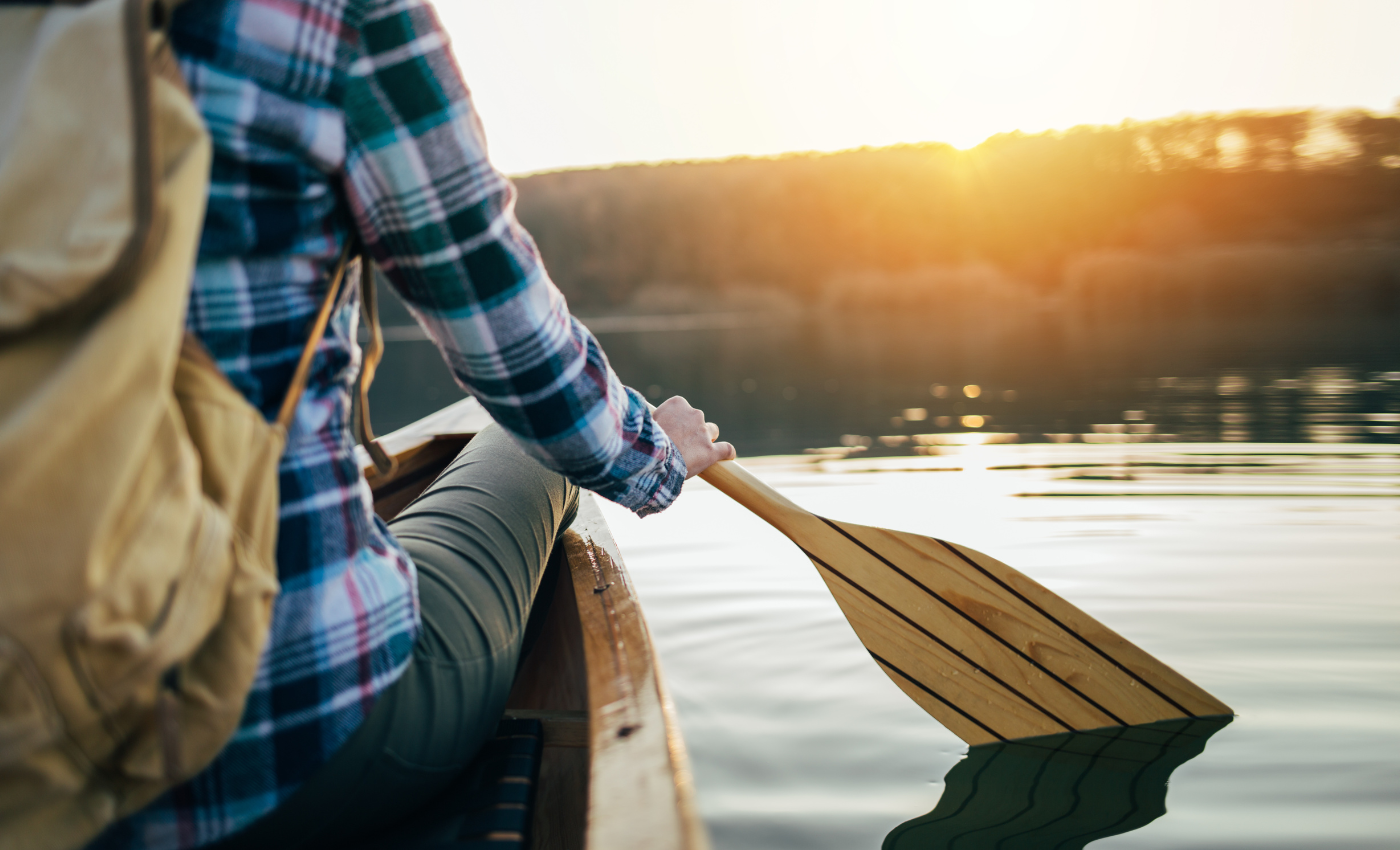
392 648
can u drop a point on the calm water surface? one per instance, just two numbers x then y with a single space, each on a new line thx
1269 574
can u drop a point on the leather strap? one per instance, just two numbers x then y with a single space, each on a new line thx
318 330
369 308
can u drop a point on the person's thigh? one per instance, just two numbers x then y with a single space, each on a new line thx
480 537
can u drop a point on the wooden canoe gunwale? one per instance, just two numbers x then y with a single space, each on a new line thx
614 773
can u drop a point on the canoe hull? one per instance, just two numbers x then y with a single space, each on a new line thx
613 772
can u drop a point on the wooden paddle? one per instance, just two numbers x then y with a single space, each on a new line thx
988 652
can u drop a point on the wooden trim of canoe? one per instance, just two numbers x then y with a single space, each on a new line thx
614 775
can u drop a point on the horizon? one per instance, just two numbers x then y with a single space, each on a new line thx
1323 146
625 82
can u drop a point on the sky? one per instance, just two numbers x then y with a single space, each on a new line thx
568 83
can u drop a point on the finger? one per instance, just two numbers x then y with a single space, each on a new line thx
725 451
712 430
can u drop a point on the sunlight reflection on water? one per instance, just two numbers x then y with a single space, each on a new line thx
1266 573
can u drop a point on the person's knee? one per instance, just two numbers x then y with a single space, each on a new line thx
494 445
495 511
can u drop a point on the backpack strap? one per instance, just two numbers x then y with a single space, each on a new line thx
369 307
318 330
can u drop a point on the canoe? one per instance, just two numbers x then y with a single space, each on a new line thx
589 755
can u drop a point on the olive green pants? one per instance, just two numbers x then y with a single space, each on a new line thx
480 536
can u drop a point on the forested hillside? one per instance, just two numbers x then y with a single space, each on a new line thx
1033 209
1063 271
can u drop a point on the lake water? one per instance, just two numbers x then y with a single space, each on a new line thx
1267 573
780 385
1229 501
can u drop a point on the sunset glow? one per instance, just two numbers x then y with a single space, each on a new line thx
563 84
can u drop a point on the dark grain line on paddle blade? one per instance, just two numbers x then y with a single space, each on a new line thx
936 639
1046 614
926 689
955 609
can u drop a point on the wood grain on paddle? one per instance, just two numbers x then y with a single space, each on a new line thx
987 651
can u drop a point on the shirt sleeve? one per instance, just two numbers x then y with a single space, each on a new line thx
440 221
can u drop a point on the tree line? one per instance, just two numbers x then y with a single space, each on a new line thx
1033 210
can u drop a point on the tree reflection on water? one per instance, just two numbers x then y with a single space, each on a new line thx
780 382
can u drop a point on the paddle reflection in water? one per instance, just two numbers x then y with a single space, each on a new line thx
1057 791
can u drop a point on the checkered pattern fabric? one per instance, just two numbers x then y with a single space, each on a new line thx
339 116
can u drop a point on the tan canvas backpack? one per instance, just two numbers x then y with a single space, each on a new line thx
138 489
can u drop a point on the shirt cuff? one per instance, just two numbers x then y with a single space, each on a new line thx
669 479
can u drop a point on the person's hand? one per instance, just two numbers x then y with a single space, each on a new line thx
693 436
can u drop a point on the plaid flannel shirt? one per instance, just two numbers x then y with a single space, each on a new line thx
330 116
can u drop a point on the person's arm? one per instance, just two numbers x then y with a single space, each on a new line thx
440 222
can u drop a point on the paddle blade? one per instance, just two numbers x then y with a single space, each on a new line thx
987 651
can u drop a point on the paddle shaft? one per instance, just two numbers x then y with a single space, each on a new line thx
743 486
